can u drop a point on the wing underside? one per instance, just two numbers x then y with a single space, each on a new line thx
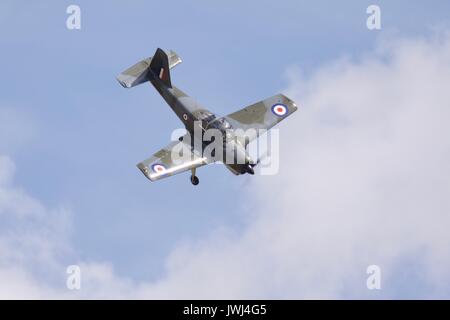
262 115
175 158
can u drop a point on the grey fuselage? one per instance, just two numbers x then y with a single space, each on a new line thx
198 119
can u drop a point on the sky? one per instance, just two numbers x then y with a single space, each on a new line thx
364 162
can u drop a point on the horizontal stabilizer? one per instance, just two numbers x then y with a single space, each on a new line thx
138 73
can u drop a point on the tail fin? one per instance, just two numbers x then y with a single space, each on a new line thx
148 68
160 67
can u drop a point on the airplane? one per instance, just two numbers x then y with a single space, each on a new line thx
260 116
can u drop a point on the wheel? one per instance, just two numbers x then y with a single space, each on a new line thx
194 180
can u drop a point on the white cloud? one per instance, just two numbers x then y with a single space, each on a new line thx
364 179
365 167
32 240
34 246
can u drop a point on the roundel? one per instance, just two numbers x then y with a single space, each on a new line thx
158 168
185 116
279 109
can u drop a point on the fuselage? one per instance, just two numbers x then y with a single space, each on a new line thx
198 120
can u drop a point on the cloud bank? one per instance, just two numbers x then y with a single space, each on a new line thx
364 179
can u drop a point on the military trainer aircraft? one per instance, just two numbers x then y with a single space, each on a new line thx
261 115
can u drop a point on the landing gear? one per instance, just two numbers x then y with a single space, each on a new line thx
194 178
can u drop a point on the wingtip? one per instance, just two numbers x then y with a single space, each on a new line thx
144 170
291 102
122 79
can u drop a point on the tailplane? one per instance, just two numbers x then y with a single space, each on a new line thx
157 66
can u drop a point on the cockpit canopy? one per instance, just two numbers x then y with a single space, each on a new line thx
206 117
221 124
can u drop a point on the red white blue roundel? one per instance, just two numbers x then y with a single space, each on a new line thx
279 109
158 168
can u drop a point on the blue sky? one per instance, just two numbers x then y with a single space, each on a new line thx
79 134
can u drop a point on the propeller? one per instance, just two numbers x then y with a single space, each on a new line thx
250 166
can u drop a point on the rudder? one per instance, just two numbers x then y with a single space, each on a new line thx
160 67
140 72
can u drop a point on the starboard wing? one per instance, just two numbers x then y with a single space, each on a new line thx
262 115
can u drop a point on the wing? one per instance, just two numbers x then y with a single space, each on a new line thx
175 158
262 115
